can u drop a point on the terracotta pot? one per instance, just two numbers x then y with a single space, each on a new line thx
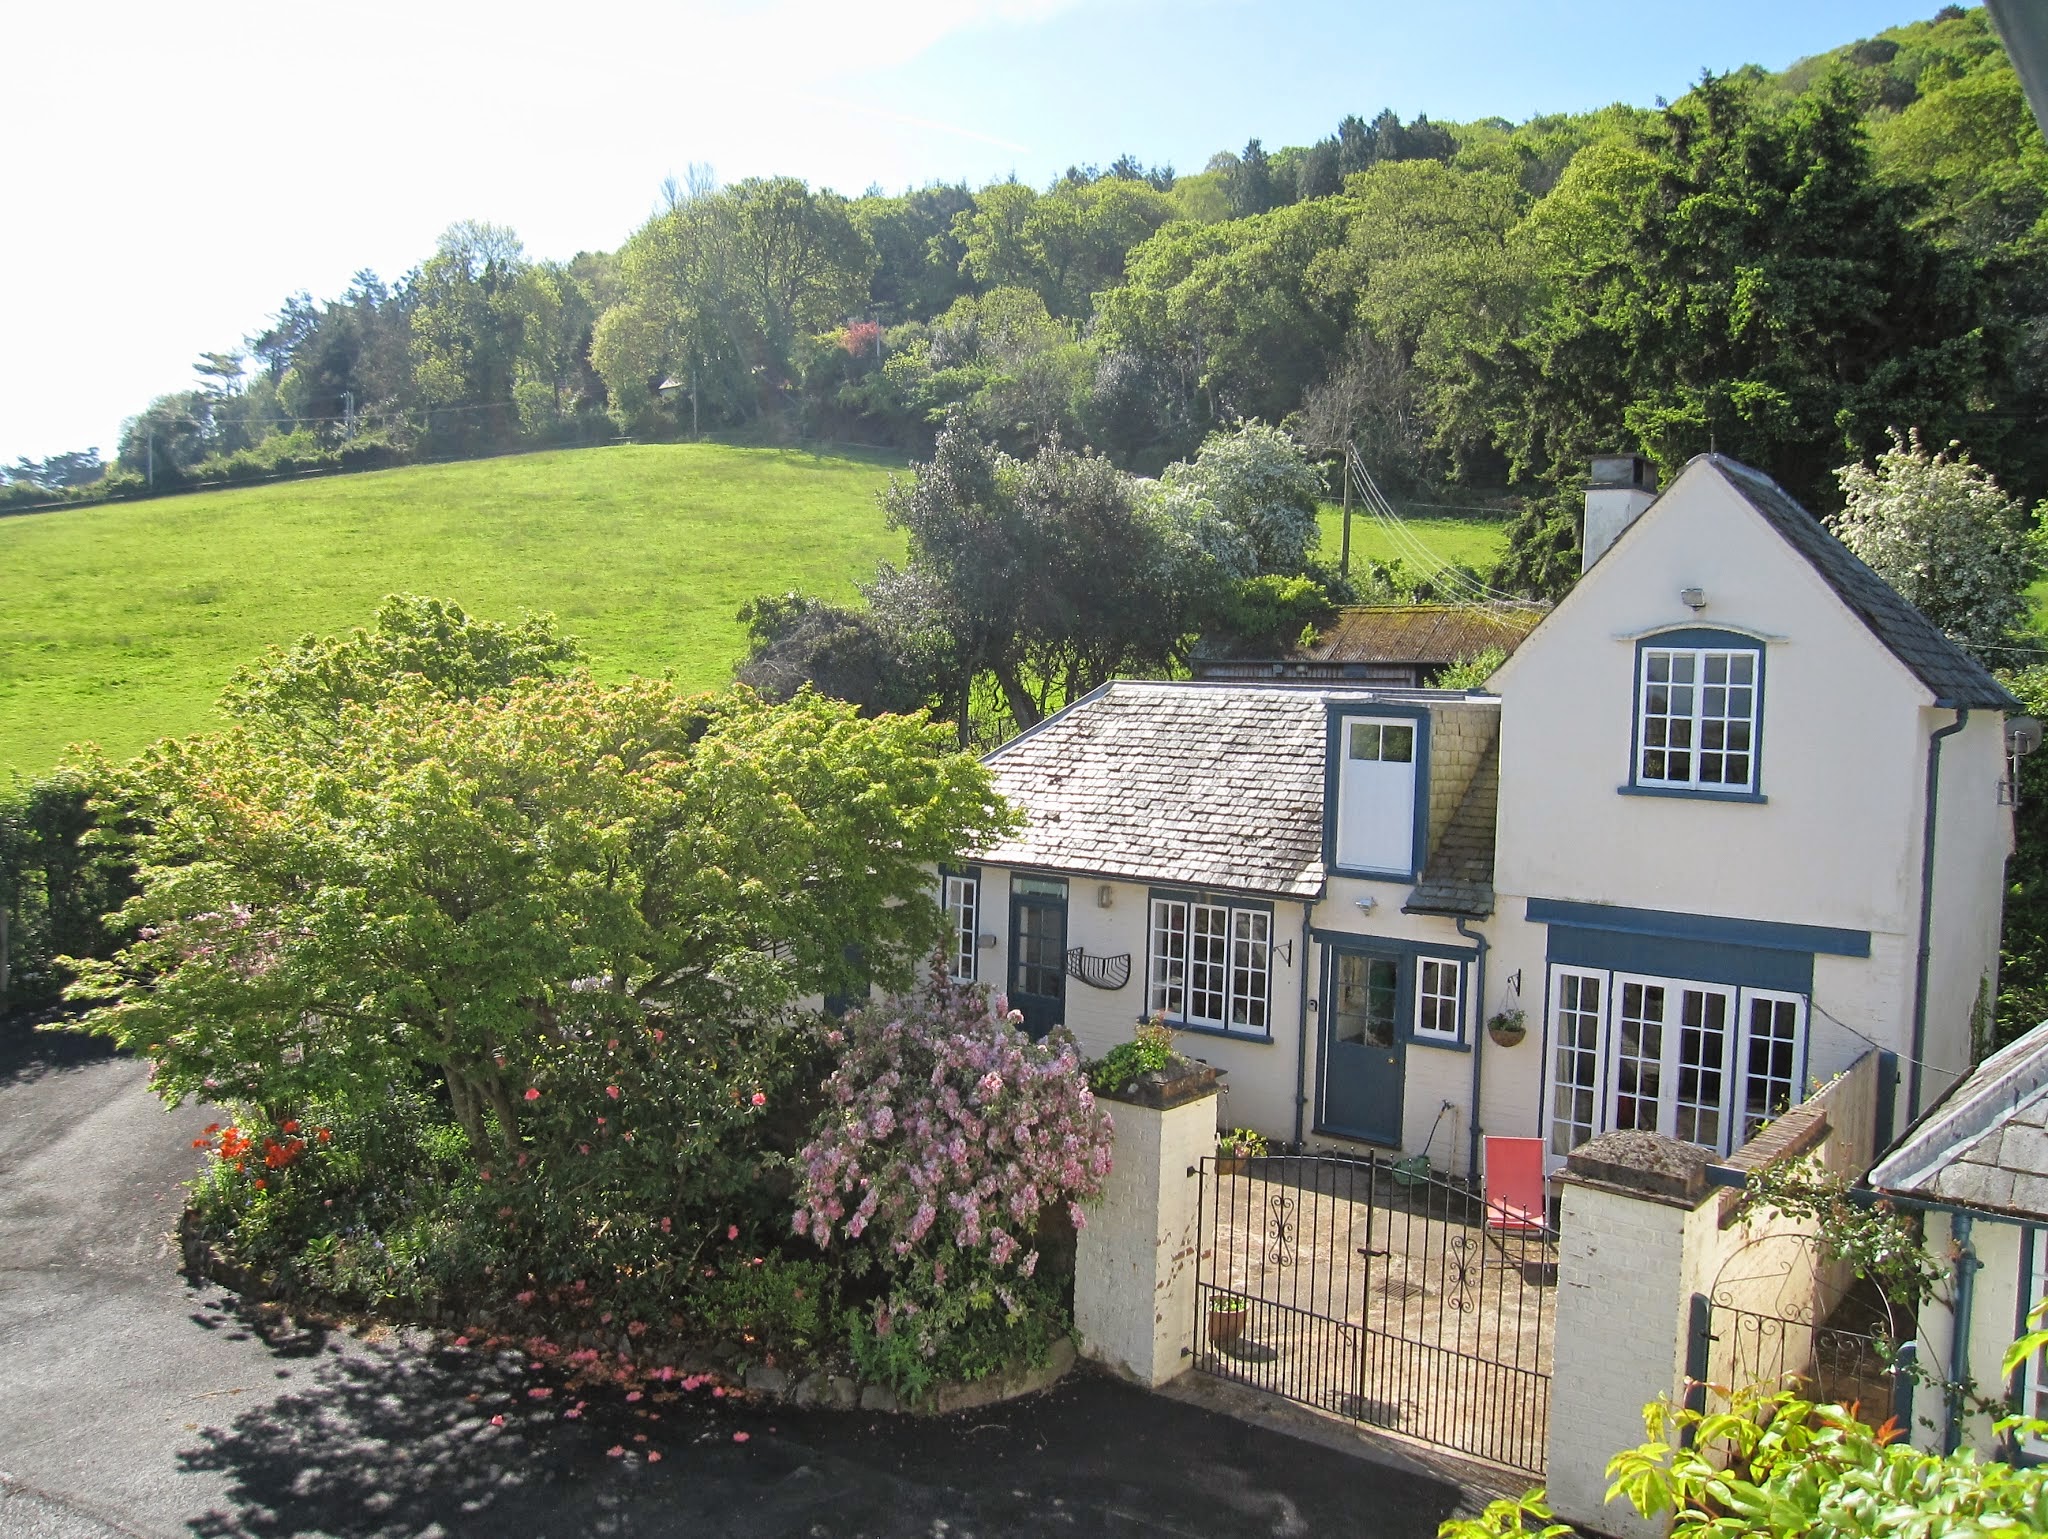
1226 1325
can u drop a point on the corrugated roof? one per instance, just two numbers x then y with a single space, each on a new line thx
1459 879
1956 677
1985 1145
1420 634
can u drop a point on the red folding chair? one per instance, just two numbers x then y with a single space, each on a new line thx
1515 1205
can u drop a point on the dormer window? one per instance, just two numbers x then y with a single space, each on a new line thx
1699 708
1375 768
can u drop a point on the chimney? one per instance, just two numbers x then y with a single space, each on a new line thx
1617 494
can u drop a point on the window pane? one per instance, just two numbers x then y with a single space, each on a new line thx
1639 1057
1575 1061
1696 718
1168 991
1208 962
1771 1068
1437 984
1250 951
1397 744
1702 1050
1365 740
963 907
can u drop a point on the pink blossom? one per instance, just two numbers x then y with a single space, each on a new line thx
616 1451
760 1099
740 1437
732 1231
532 1094
612 1091
654 1456
497 1421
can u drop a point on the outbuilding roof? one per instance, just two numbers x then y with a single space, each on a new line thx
1423 634
1956 678
1986 1144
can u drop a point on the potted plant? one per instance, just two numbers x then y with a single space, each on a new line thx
1237 1147
1507 1027
1227 1315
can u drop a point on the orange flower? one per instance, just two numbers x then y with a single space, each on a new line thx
290 1125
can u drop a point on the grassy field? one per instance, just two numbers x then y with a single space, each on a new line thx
1477 543
119 624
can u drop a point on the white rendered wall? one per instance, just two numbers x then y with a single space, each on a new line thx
1973 837
1134 1265
1994 1323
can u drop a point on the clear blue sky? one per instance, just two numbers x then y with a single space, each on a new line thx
172 172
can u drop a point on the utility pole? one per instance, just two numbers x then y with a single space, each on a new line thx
1344 561
348 414
149 461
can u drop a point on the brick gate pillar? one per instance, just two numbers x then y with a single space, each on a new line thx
1134 1263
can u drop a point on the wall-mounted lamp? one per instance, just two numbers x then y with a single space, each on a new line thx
1105 896
1368 903
985 941
1694 599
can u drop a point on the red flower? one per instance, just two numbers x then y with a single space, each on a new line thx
326 1135
532 1094
289 1126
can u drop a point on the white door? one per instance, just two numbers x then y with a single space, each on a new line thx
1376 795
1674 1046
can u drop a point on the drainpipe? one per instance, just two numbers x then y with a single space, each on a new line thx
1478 1042
1301 1042
1913 1070
1959 1349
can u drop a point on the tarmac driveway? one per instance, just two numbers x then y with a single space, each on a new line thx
134 1403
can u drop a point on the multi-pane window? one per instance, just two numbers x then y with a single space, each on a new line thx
963 910
1211 964
1696 719
1575 1059
1770 1058
1706 1063
2034 1372
1439 999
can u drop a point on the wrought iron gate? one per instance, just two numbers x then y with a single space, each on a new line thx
1365 1288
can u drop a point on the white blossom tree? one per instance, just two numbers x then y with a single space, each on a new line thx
1939 529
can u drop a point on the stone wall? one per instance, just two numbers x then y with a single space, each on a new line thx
1459 738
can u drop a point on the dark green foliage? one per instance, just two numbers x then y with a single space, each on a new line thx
60 877
2023 945
798 641
965 1321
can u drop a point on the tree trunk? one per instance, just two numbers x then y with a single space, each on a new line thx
1023 709
463 1102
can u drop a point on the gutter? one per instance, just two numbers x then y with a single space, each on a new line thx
1478 1043
1967 1265
1920 967
1301 1038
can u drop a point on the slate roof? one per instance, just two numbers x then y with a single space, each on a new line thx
1955 677
1195 783
1459 878
1208 785
1423 634
1985 1145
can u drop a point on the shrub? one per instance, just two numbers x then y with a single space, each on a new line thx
947 1125
955 1318
1149 1050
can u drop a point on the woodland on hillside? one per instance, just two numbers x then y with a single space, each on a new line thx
1781 266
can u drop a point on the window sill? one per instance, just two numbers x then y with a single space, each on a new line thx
1362 875
1445 1044
1195 1028
1687 794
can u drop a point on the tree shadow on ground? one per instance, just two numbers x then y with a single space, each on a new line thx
28 1053
383 1442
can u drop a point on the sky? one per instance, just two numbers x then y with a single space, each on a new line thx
173 172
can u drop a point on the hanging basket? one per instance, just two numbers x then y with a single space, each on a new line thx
1507 1028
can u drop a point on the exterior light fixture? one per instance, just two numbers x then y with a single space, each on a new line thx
1694 599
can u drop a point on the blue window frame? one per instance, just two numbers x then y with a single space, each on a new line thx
1698 715
1374 750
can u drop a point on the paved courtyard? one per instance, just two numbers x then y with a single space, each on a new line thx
1382 1302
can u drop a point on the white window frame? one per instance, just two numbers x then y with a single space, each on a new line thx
1593 1059
1734 1128
2033 1374
1698 719
1209 965
1426 969
960 895
1744 1131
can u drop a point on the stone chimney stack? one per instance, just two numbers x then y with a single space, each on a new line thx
1620 489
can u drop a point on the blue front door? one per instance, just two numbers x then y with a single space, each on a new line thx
1038 951
1363 1062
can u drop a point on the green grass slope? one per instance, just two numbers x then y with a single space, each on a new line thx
119 624
1474 542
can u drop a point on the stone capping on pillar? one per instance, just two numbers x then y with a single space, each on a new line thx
1163 1089
1643 1165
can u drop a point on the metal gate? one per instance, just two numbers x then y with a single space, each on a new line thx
1374 1291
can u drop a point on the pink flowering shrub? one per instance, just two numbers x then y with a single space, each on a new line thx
946 1126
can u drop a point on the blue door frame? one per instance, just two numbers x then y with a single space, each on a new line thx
1038 951
1366 996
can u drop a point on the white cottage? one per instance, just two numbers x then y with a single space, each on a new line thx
1732 813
